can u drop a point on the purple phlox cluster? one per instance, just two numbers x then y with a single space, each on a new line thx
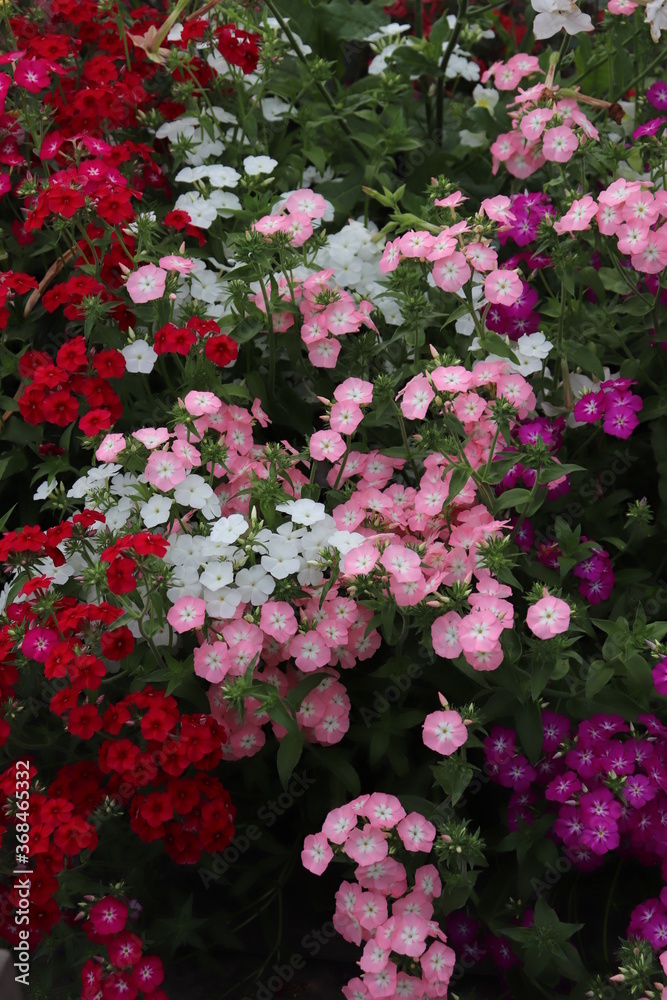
528 211
613 404
515 320
607 786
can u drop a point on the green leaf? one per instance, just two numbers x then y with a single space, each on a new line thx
513 498
580 356
348 21
494 344
460 477
289 753
529 729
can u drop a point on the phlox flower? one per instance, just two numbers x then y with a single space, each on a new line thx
370 909
409 937
228 529
155 511
391 256
108 916
345 417
306 202
384 810
451 273
360 560
366 846
578 217
278 620
354 390
479 631
416 397
445 635
416 244
310 651
503 287
498 209
199 403
146 283
339 823
427 881
211 661
481 257
303 511
164 470
324 354
404 564
38 642
255 585
316 853
299 228
382 984
111 447
374 957
186 614
548 617
444 732
327 445
534 123
172 262
554 15
455 378
139 357
559 143
356 989
653 258
152 437
416 832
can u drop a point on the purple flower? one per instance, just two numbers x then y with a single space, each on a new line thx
648 128
657 95
660 676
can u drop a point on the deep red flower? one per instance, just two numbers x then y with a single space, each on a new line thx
120 575
117 644
84 721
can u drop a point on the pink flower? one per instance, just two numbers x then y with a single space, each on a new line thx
199 403
278 620
404 564
338 824
111 446
416 832
391 257
416 397
361 560
481 257
187 613
409 937
316 853
451 273
310 651
445 635
175 263
548 617
534 123
354 390
384 810
345 417
444 732
498 209
212 661
504 287
152 437
306 202
146 283
374 957
367 846
324 353
164 470
451 201
559 143
327 445
370 909
438 963
578 217
108 915
479 631
299 227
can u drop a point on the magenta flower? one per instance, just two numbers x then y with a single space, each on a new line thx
657 95
648 128
659 676
38 642
146 283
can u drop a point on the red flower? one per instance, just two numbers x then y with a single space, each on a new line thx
66 201
31 405
75 836
72 355
109 364
120 575
95 421
221 350
157 808
177 219
60 408
84 721
238 47
117 644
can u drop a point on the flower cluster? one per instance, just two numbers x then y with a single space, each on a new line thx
385 908
126 971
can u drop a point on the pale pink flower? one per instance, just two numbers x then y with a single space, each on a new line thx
427 881
480 630
416 833
384 810
416 397
444 732
211 661
259 414
324 353
146 283
310 651
481 257
299 228
172 262
653 258
391 256
327 445
416 244
409 937
534 123
316 853
451 273
559 143
354 390
445 635
152 437
111 446
278 620
498 209
339 823
164 470
360 560
578 217
484 659
451 201
438 963
374 958
370 909
401 562
366 846
345 417
186 614
198 403
455 378
548 617
306 202
504 287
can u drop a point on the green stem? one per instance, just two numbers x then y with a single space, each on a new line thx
440 86
123 34
344 461
406 443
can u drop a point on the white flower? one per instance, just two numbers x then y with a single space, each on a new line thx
225 203
303 511
220 176
155 511
202 213
139 357
473 140
194 491
395 28
282 558
273 108
171 130
533 345
217 575
552 15
228 529
485 97
255 585
223 603
656 16
255 165
45 489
